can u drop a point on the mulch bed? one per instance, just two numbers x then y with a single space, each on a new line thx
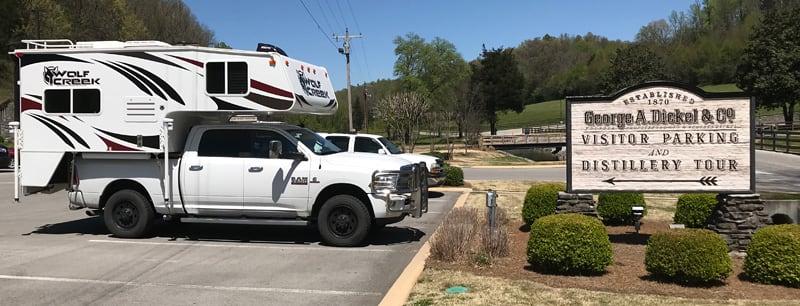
626 275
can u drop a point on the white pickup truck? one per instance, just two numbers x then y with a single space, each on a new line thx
371 143
253 173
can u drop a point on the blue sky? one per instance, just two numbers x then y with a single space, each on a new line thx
289 25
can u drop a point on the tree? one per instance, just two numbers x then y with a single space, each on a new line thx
47 20
432 70
631 65
770 65
501 83
657 33
403 112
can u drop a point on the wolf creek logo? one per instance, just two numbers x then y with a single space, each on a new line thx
311 87
55 77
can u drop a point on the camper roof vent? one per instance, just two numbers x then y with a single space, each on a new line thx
146 43
100 44
262 47
113 44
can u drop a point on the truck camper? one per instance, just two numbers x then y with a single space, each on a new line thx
140 129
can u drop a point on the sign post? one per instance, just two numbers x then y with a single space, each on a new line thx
661 137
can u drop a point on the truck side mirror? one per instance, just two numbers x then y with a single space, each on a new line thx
275 148
382 151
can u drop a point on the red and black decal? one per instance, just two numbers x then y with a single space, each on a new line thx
223 105
271 89
150 141
278 104
149 57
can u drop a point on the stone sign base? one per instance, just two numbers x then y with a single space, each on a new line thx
580 203
737 217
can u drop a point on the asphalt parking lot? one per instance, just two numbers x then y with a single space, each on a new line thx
51 255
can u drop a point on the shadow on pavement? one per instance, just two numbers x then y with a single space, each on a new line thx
389 235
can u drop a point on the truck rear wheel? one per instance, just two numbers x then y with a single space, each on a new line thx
128 214
344 221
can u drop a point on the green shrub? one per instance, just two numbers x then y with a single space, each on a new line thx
773 256
615 208
688 255
437 154
693 210
540 201
454 176
569 244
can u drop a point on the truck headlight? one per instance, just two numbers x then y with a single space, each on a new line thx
385 182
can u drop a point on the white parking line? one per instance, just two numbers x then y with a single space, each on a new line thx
187 286
246 246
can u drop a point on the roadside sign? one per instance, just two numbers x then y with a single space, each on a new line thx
661 137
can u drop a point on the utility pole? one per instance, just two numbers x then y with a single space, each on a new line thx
366 108
346 52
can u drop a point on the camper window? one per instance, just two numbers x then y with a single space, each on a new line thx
78 101
57 101
226 78
86 101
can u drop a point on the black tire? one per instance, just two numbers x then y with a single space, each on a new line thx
344 221
128 214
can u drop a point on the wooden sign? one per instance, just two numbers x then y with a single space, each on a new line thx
661 137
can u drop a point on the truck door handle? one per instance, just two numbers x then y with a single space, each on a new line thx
195 167
255 169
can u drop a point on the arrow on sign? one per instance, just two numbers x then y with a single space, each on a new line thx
705 181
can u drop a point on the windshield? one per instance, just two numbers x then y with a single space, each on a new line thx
313 141
393 149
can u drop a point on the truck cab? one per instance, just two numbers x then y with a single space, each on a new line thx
377 144
260 173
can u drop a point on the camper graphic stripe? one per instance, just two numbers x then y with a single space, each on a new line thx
66 129
223 105
147 141
160 82
44 58
277 104
129 77
55 130
144 80
149 57
270 89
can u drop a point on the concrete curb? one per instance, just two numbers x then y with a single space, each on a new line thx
401 289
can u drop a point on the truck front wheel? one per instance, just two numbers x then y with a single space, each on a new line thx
344 221
128 214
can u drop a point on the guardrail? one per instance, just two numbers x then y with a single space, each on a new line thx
523 140
552 128
777 140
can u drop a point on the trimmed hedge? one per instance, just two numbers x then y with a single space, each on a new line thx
437 154
569 244
615 208
693 210
454 176
540 201
688 255
773 256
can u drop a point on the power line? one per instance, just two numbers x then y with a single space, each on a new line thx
363 48
341 13
317 23
325 16
354 16
339 26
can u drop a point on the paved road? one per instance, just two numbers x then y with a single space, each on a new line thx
774 172
53 256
